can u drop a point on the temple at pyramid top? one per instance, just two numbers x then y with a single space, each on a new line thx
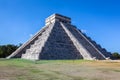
59 39
58 17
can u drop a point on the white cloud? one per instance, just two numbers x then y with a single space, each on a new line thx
83 30
31 35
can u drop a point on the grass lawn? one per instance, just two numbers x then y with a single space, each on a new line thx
18 69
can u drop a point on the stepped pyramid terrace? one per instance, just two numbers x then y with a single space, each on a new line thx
59 39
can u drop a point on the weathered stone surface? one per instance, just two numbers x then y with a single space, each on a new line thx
60 40
59 45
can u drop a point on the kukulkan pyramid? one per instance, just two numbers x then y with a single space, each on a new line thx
59 39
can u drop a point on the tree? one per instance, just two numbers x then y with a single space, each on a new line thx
116 55
6 50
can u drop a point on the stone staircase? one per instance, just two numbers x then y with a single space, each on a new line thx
78 45
90 47
59 46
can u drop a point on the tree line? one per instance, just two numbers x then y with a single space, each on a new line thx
116 55
6 50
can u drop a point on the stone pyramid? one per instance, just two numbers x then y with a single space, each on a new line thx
59 39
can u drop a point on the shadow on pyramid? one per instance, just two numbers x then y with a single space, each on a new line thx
59 39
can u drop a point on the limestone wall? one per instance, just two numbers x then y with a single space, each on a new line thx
59 45
35 49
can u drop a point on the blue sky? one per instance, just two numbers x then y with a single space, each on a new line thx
99 19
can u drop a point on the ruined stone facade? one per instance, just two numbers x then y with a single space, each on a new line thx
59 39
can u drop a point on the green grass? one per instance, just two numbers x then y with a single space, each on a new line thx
20 69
